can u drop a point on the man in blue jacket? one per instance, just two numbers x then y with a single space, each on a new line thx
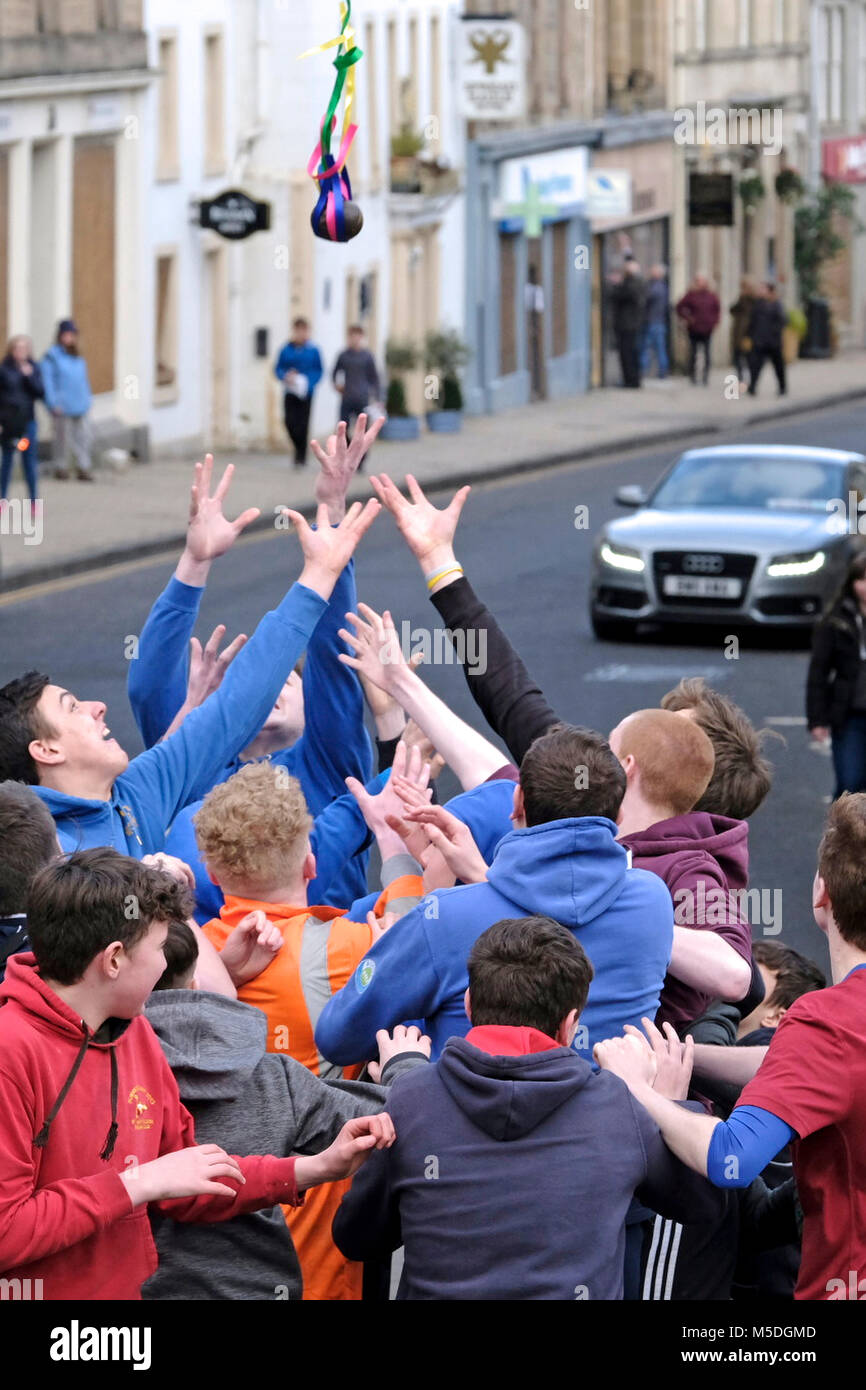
299 368
515 1163
68 397
563 860
63 747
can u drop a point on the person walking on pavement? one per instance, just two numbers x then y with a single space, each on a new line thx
741 323
627 295
700 310
68 397
765 331
655 332
299 368
20 388
836 684
355 377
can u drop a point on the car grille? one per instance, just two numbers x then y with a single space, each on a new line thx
702 563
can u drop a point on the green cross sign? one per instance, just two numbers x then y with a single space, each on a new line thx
533 210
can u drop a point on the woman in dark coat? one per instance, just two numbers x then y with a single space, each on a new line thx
20 388
836 686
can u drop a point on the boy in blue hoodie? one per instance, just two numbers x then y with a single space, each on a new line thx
316 727
563 859
299 369
515 1163
62 746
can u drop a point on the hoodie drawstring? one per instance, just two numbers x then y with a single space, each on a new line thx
108 1147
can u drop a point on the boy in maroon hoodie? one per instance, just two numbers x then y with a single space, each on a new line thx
92 1128
702 858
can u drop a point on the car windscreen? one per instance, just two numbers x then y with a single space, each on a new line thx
740 480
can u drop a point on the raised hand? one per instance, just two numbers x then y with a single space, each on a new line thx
210 533
674 1059
206 670
390 1045
377 654
339 463
427 530
408 768
328 549
453 840
251 947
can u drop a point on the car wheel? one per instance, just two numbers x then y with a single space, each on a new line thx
612 629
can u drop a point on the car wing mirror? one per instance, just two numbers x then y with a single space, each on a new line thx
631 496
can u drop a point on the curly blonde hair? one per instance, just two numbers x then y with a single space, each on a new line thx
253 830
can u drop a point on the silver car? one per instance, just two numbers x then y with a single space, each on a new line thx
739 533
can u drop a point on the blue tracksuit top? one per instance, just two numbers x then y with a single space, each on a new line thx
574 871
307 360
334 745
146 798
67 384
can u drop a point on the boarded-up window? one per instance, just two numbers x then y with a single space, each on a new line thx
4 247
165 334
507 292
561 267
214 97
93 234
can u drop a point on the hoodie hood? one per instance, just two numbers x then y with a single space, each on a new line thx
211 1043
509 1097
726 840
570 870
83 823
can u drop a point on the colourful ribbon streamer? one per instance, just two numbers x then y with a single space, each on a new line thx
345 82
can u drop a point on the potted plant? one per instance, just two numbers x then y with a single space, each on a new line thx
445 353
817 242
793 334
789 186
437 178
752 190
400 358
406 146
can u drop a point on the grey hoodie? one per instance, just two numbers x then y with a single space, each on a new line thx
249 1101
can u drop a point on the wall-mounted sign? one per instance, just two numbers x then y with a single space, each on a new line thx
491 67
844 160
608 193
711 200
540 187
234 215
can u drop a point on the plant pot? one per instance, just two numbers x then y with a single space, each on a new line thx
445 421
401 427
790 344
405 174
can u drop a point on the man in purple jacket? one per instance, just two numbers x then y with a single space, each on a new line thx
515 1163
699 310
702 858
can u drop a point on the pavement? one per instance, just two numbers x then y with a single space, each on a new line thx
142 510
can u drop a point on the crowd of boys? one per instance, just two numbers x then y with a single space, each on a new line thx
535 1050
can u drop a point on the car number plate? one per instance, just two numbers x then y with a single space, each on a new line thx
700 586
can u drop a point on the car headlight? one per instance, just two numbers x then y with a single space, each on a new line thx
620 559
795 566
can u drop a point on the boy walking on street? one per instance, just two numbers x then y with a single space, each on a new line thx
299 368
356 377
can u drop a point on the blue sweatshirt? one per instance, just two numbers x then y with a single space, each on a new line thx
305 359
334 745
146 797
511 1178
571 870
67 385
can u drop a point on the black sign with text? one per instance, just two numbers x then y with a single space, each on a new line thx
234 215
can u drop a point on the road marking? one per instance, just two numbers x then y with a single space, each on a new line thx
647 672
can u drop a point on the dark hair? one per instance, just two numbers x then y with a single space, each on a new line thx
570 772
742 777
81 904
842 866
795 974
527 972
855 570
181 953
301 322
20 724
28 841
356 328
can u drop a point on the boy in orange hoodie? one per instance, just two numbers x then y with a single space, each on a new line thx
253 834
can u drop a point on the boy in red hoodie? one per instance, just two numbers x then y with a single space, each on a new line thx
92 1128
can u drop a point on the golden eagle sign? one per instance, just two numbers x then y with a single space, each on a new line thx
492 69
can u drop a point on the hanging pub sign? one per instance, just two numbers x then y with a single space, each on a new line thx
711 200
234 215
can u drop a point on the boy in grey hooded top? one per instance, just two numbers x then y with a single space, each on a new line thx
249 1101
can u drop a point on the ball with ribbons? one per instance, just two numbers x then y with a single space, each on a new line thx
336 217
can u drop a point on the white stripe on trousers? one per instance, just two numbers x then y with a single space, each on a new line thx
662 1260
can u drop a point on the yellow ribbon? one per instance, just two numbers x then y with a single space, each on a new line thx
346 37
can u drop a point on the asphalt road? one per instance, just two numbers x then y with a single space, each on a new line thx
519 545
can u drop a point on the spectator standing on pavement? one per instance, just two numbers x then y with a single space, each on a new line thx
836 686
20 388
299 368
655 330
68 397
627 296
765 331
741 324
356 377
699 309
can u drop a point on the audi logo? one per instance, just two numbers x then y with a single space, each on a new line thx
703 564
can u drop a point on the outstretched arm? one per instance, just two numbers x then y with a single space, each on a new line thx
377 654
508 697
